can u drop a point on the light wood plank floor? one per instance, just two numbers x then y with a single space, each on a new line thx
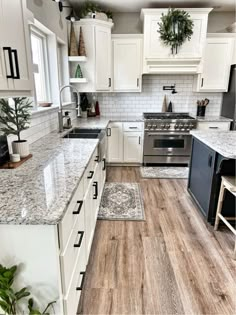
173 263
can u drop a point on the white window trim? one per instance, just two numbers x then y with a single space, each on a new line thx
37 32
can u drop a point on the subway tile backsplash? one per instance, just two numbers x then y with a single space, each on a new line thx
151 97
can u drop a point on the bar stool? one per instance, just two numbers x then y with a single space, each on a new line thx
229 183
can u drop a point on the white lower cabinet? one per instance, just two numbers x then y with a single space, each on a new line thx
54 257
125 142
132 147
214 125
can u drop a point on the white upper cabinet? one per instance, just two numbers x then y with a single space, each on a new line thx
96 68
103 58
15 54
215 67
158 57
127 61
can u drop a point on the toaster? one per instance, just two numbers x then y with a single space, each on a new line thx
4 152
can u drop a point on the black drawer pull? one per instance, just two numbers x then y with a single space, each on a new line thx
97 158
104 164
209 160
81 233
17 76
108 132
91 174
133 127
80 202
95 185
213 127
82 281
11 75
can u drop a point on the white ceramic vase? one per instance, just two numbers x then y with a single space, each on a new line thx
21 147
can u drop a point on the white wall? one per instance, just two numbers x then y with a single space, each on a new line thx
129 23
151 97
47 12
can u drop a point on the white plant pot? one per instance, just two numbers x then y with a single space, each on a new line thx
84 114
21 147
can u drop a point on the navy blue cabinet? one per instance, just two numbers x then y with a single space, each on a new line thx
201 174
205 171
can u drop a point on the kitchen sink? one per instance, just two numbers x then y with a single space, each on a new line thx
83 133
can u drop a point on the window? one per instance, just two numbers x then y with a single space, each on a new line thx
40 65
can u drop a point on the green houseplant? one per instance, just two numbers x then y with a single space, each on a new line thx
10 298
13 120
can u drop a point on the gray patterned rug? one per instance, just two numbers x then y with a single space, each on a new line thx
164 172
121 201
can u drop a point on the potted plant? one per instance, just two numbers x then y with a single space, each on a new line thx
14 119
11 300
84 104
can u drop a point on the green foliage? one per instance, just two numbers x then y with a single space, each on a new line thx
9 298
15 118
91 7
175 28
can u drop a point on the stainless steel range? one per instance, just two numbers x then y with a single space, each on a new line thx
167 138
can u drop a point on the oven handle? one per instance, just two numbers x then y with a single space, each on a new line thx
167 134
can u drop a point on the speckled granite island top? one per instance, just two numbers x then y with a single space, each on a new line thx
223 142
39 191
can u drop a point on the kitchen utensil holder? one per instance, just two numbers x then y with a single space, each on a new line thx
201 111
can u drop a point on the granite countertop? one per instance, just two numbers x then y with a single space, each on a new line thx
213 119
39 191
223 142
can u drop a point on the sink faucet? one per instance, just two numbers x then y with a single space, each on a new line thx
60 112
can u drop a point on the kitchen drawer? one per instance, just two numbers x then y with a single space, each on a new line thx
71 299
203 125
89 172
72 212
133 126
72 250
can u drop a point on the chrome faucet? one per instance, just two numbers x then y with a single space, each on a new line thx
60 112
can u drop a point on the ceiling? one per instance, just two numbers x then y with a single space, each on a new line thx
136 5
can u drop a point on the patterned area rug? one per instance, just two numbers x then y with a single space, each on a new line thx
121 201
164 172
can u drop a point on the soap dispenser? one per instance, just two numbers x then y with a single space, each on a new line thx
67 124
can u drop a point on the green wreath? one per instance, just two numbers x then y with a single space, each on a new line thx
175 28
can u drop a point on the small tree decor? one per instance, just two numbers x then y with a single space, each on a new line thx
14 119
10 298
175 28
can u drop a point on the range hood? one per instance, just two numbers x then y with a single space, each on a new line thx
157 57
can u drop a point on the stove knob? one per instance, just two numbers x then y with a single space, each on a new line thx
191 126
167 126
181 126
176 127
162 126
154 126
186 126
149 126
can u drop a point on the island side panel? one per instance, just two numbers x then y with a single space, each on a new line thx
35 249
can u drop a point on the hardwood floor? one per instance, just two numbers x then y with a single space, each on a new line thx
172 263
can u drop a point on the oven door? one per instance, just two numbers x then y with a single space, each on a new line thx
167 144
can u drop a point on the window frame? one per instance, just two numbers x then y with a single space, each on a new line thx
44 53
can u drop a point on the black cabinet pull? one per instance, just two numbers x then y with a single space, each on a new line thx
95 185
91 174
80 202
82 281
209 160
104 164
17 76
108 132
8 49
109 84
97 158
81 233
139 140
202 82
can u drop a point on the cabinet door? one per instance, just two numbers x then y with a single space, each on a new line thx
201 174
88 207
103 58
132 147
16 36
127 64
115 143
216 65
